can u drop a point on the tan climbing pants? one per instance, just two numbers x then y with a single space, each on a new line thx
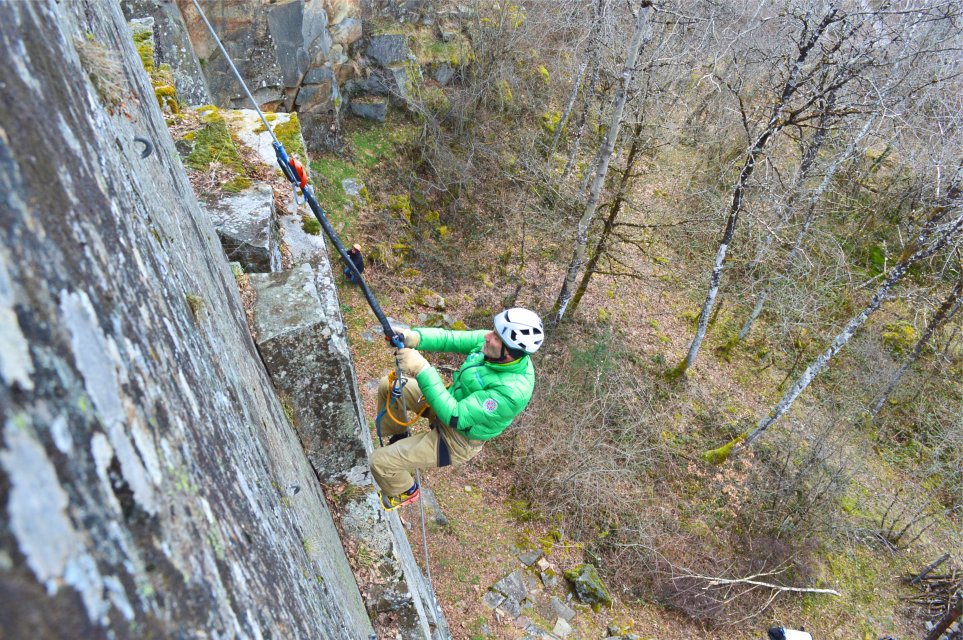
393 465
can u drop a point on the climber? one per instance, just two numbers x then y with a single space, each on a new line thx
493 385
354 253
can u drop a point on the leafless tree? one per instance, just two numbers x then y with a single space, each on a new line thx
814 79
942 227
640 36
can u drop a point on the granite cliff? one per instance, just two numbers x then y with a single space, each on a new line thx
151 485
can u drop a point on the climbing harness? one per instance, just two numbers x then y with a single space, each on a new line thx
294 172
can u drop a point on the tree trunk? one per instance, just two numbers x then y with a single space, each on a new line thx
810 216
583 118
805 166
774 125
640 37
563 120
945 312
592 59
952 615
920 250
614 209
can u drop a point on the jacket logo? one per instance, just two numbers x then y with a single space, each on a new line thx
490 405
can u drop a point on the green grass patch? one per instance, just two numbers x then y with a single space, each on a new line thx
329 172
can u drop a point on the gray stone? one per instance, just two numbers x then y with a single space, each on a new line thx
370 108
493 599
248 228
309 95
303 246
377 84
521 622
388 50
346 32
352 187
528 558
549 579
146 462
399 587
512 586
319 75
301 338
511 607
285 23
314 33
561 610
246 29
562 628
442 73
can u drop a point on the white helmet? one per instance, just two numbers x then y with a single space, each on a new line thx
520 329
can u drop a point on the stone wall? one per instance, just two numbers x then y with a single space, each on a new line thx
150 485
293 55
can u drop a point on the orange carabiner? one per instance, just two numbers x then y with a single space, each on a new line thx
299 171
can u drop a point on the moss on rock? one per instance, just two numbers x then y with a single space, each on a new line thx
310 224
588 585
289 134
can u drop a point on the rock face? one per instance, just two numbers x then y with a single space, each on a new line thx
172 45
301 338
248 227
150 485
318 56
289 53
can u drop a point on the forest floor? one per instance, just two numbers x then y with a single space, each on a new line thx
488 523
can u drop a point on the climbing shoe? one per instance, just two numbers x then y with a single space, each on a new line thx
390 503
398 436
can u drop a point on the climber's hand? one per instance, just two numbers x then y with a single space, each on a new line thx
410 337
412 362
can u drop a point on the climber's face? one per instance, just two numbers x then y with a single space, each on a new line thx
493 346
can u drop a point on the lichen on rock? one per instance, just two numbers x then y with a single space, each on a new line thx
588 585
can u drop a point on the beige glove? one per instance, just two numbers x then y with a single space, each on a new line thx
412 362
411 337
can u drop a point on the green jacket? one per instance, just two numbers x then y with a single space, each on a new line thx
484 397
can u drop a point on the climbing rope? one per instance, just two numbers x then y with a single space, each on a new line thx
396 393
294 172
296 175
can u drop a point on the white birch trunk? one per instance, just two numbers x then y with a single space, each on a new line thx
577 141
773 127
568 108
952 229
640 37
810 216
